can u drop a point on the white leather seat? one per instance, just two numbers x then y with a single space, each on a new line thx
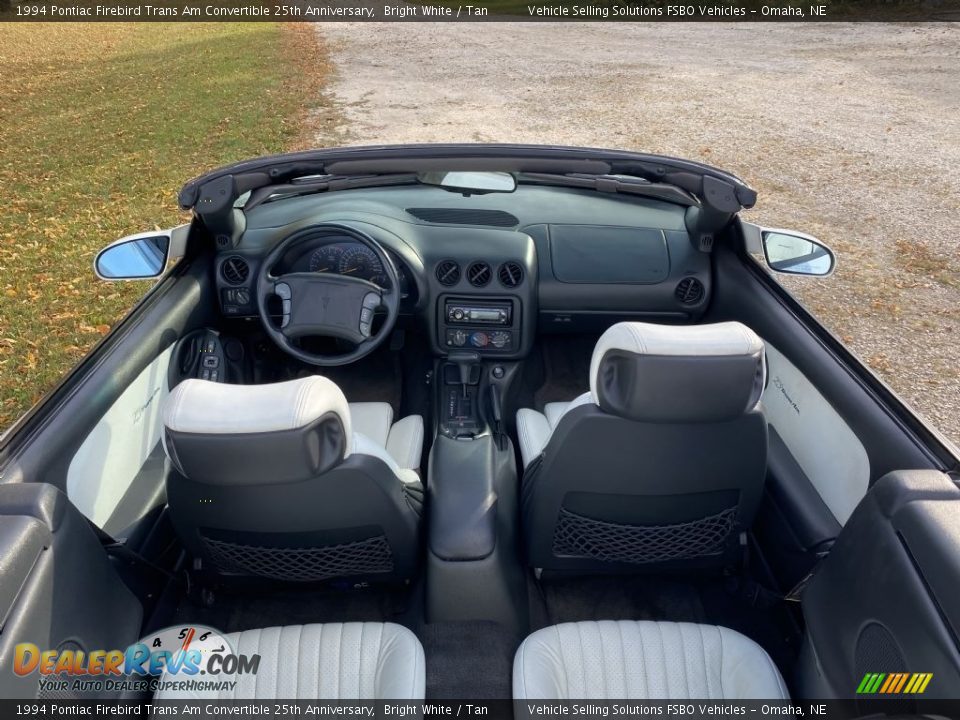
643 660
399 444
716 340
219 408
332 661
535 428
289 481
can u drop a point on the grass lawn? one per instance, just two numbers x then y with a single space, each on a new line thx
100 124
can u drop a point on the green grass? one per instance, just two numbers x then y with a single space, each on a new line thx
100 124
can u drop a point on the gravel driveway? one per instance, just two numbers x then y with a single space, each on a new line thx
849 132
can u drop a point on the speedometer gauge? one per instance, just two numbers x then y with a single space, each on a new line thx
360 261
326 259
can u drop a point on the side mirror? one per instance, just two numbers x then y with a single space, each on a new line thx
141 256
796 253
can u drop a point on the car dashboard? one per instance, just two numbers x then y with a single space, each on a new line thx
488 272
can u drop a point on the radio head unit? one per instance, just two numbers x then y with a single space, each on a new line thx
458 313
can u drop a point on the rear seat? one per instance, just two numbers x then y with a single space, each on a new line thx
643 660
332 661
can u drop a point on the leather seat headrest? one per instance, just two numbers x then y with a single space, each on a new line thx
678 374
249 434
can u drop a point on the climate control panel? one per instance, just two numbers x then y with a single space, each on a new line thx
480 339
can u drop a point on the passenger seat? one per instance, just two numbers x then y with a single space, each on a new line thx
643 660
330 661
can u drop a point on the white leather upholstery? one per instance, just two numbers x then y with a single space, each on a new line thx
719 339
332 661
201 406
643 660
713 340
534 428
399 444
405 441
373 419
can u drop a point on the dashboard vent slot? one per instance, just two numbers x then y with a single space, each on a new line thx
689 291
448 272
479 274
235 270
463 216
510 274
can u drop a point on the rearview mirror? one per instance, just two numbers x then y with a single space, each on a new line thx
136 257
470 181
796 253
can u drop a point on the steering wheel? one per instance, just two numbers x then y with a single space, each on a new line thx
327 305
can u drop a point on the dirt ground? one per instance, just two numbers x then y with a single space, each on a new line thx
849 132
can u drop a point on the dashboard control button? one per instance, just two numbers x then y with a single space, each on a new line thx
498 371
479 339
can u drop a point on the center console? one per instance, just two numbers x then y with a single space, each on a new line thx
473 567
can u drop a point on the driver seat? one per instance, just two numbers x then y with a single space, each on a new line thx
287 481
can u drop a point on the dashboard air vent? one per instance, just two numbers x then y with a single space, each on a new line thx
479 274
465 216
448 272
510 274
235 270
689 291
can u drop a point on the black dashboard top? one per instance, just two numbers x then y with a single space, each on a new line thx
570 259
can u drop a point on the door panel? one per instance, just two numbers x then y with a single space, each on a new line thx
96 436
113 455
885 599
59 589
848 425
828 452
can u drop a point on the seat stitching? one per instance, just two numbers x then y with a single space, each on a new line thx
643 654
623 655
723 690
563 664
319 654
706 667
296 691
683 653
663 656
339 659
583 665
603 664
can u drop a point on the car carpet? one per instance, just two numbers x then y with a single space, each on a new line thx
237 609
566 361
468 659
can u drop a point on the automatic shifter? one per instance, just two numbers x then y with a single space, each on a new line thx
464 360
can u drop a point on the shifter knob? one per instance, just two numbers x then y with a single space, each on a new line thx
464 360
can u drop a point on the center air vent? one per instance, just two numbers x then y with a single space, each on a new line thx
448 272
689 291
235 270
465 216
510 274
479 274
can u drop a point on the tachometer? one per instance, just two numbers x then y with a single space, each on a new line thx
360 261
326 259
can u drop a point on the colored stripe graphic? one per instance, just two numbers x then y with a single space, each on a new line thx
894 683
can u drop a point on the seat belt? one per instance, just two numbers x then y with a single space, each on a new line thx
119 549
